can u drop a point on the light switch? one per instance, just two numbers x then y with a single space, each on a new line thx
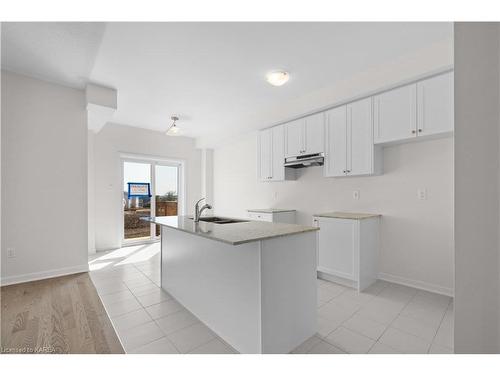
422 194
355 194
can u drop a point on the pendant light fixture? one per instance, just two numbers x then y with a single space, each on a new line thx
173 129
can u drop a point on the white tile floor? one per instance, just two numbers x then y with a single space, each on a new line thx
386 318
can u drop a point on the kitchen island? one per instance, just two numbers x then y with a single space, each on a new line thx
253 283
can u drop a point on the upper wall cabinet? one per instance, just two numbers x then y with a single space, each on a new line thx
294 138
421 109
395 116
314 131
349 139
352 135
435 105
265 154
305 136
271 155
336 142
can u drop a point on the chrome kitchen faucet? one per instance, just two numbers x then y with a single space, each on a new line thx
198 211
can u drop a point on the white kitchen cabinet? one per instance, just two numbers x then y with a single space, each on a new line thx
294 138
314 134
278 153
347 249
435 105
305 136
271 155
336 142
350 150
265 152
415 111
395 116
273 215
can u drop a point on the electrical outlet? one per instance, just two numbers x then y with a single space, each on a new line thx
11 252
355 194
422 193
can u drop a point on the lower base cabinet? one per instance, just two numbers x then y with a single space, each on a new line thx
347 250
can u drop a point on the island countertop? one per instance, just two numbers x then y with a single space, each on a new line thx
234 233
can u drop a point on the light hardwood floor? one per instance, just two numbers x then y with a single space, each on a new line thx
59 315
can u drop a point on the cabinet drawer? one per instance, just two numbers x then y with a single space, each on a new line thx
260 216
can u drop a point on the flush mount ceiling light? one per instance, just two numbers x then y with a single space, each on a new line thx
277 77
173 129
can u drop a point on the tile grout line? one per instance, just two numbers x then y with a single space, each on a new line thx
177 330
439 326
390 326
324 342
374 341
166 335
147 312
142 307
392 321
345 320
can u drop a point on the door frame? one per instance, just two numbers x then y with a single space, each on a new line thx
153 161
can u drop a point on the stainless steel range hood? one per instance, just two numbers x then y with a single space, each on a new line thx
304 161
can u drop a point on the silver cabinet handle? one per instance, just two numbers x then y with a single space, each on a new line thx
413 132
420 130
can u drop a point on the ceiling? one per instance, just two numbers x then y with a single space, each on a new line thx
211 74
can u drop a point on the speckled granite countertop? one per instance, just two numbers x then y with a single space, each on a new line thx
347 215
234 233
269 210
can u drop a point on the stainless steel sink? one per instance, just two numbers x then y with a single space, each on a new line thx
220 220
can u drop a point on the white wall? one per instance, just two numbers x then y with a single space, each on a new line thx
91 192
114 139
477 77
416 235
44 177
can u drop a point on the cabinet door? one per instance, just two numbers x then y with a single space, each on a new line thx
278 153
395 114
435 105
360 138
294 134
336 137
336 247
265 154
314 137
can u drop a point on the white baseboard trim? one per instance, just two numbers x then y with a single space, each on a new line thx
416 284
9 280
336 279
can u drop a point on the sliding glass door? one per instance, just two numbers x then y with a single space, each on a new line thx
136 206
150 188
166 191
